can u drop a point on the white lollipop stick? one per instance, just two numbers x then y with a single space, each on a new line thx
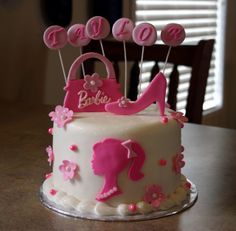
125 58
141 69
98 28
167 57
144 34
62 65
77 37
82 65
122 31
103 53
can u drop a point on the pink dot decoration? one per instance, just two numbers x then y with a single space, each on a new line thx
162 162
164 120
173 34
73 147
53 192
50 131
77 36
188 185
55 37
97 28
144 34
122 29
132 208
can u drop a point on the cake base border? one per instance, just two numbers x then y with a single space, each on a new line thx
187 203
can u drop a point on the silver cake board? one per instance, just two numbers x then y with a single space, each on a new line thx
187 203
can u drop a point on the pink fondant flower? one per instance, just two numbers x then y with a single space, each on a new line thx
50 153
61 115
123 102
178 162
68 169
92 83
180 118
154 195
48 175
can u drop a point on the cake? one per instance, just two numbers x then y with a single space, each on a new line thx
112 157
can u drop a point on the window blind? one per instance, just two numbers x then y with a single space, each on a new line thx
200 19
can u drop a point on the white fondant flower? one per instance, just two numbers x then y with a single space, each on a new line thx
68 169
93 82
123 102
61 115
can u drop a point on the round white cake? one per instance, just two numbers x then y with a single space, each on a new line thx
86 153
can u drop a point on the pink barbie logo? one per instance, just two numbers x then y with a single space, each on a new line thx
110 158
85 100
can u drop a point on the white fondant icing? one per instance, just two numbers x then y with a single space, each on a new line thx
103 209
86 207
159 141
122 209
144 207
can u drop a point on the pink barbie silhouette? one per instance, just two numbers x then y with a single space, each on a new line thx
110 158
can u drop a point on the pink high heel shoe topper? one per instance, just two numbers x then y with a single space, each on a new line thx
155 92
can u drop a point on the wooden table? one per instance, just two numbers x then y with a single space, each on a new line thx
210 164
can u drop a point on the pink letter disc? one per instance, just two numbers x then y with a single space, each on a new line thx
77 36
122 29
144 34
173 34
55 37
97 28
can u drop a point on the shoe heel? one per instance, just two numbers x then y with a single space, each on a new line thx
161 94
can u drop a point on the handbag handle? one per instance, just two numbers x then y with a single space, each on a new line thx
76 64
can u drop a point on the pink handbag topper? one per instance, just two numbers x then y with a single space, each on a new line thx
93 92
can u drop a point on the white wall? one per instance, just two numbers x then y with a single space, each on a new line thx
22 56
